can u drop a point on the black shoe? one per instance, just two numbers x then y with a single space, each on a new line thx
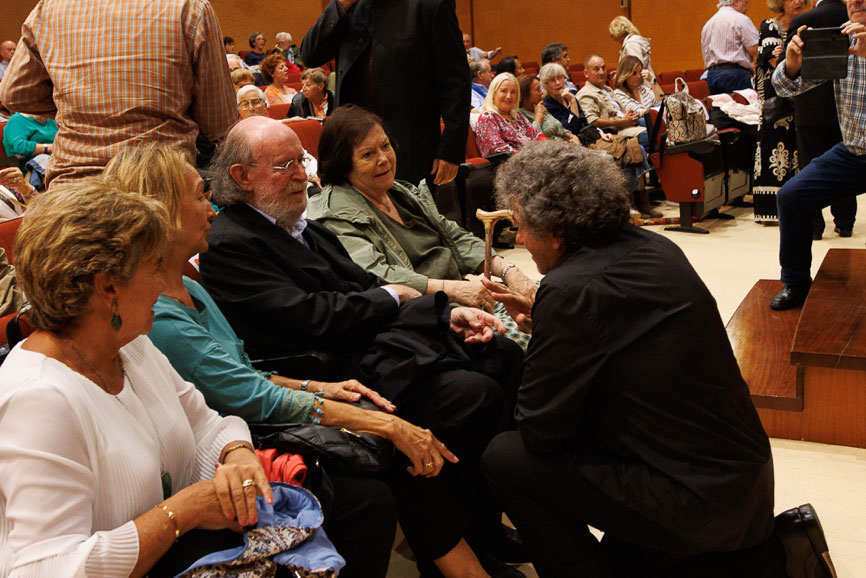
789 297
844 232
496 567
504 543
806 550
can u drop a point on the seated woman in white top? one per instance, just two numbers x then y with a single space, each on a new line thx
632 91
106 455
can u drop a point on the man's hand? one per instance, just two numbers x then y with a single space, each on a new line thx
858 32
519 306
794 54
474 325
403 292
445 172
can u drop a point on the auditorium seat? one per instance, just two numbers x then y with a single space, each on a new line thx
611 79
243 53
699 89
279 111
530 71
576 67
697 175
578 76
667 88
295 85
308 132
8 230
530 64
670 76
5 161
694 74
293 77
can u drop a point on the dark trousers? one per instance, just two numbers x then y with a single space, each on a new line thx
465 410
728 80
835 175
551 504
812 142
361 522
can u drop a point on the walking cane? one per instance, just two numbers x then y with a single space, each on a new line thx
490 218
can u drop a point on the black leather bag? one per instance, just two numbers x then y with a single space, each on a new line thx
338 449
776 108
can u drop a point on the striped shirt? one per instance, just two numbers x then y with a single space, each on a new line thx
726 38
121 71
850 99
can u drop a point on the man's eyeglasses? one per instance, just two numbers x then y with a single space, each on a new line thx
289 166
251 103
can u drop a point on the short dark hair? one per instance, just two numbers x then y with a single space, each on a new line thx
228 40
507 64
552 51
344 130
525 84
253 38
564 189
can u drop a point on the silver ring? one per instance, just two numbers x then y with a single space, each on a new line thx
248 483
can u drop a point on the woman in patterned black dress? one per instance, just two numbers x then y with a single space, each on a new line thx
776 157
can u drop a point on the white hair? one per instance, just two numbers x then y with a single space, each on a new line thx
250 88
723 3
550 71
283 36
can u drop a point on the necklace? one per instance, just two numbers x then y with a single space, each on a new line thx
103 381
164 475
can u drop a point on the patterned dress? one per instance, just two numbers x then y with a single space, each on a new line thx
776 156
496 134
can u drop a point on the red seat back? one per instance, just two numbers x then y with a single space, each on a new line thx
670 76
472 151
578 76
694 74
8 230
699 89
279 111
308 132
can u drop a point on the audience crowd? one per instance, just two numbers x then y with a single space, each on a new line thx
193 274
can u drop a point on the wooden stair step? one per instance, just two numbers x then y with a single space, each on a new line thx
761 339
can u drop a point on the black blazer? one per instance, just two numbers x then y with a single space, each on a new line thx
302 107
817 107
420 68
281 297
678 441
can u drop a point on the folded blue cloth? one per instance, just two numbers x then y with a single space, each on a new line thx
288 533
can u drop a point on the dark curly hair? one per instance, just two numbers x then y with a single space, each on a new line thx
564 189
344 130
269 65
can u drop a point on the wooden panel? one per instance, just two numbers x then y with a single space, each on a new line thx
761 339
834 406
675 30
524 28
832 328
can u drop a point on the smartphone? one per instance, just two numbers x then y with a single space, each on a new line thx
825 54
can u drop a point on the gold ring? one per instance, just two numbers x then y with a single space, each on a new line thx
429 465
248 483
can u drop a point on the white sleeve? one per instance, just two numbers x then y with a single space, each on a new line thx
47 484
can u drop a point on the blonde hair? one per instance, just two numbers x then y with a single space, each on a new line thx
154 170
83 228
494 86
550 71
242 74
620 27
626 69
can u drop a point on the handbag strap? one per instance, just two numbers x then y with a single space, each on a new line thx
685 87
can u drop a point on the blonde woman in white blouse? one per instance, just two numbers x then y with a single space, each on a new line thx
106 454
632 91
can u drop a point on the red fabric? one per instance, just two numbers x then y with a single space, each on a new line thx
287 468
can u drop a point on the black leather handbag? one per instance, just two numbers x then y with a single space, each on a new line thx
338 449
776 108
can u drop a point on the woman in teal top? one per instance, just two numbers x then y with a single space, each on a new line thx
29 135
198 341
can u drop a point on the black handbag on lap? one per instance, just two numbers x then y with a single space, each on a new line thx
338 449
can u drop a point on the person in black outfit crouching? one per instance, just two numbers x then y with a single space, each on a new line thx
671 463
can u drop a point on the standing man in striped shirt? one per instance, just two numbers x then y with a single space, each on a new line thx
117 72
729 44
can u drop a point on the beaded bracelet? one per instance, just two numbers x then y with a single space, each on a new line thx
318 410
173 519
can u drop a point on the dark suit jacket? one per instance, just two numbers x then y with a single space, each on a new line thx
630 373
420 73
281 297
817 107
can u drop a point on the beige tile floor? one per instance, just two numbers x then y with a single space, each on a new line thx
730 259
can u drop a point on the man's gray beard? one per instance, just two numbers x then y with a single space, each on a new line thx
285 214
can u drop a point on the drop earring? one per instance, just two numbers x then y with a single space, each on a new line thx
116 321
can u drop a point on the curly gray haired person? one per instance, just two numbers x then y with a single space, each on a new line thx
563 189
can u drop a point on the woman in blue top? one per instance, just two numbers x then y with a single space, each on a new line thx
198 341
